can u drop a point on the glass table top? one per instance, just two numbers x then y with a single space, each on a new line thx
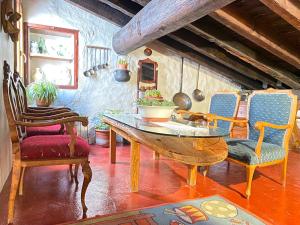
178 128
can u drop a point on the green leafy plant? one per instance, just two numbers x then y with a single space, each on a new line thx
153 93
154 102
122 62
43 90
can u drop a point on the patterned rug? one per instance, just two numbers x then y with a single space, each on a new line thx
207 211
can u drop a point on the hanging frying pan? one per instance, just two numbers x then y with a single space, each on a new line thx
197 93
182 100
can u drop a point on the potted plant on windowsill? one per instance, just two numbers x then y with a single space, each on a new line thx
152 107
43 92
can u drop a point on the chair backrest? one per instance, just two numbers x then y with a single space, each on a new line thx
273 106
225 104
11 105
21 92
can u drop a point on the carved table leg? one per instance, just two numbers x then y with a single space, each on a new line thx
134 166
87 173
113 143
76 174
192 175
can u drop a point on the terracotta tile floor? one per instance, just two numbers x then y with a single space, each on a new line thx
50 198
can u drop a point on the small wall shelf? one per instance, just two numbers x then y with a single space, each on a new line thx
50 57
52 54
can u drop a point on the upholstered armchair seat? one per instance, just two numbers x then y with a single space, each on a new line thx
52 147
244 150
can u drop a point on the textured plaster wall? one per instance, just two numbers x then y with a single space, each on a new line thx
102 92
6 53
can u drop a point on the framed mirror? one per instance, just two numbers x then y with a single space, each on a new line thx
147 75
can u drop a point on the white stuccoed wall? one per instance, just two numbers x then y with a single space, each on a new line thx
96 94
6 53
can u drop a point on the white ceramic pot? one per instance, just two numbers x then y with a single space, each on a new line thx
156 113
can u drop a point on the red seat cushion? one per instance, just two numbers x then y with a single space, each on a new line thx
52 147
47 130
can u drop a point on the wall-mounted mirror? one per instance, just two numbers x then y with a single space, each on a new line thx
147 75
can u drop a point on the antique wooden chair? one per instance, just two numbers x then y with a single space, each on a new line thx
270 121
223 104
40 114
43 150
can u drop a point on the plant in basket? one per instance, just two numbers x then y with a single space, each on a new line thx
122 64
152 107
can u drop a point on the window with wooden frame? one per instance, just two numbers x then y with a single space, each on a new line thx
51 54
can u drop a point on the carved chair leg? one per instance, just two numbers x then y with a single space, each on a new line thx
16 172
249 172
284 169
71 172
155 155
76 174
21 184
87 173
228 165
205 171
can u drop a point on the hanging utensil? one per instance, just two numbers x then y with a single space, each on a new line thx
198 95
87 72
100 59
182 100
95 67
106 64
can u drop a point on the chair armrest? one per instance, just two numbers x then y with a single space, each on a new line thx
50 110
46 113
83 120
37 108
260 125
214 118
51 117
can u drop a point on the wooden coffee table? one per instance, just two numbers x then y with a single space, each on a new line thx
193 146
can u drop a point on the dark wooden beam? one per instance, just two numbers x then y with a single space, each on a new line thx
141 2
128 8
241 51
191 54
289 10
247 29
159 18
102 10
212 51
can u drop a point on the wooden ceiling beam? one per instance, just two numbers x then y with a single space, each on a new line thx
248 30
102 10
191 54
289 10
212 51
121 6
241 51
159 18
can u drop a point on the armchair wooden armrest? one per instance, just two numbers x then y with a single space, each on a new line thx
48 110
51 113
72 119
51 117
37 108
214 118
260 125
